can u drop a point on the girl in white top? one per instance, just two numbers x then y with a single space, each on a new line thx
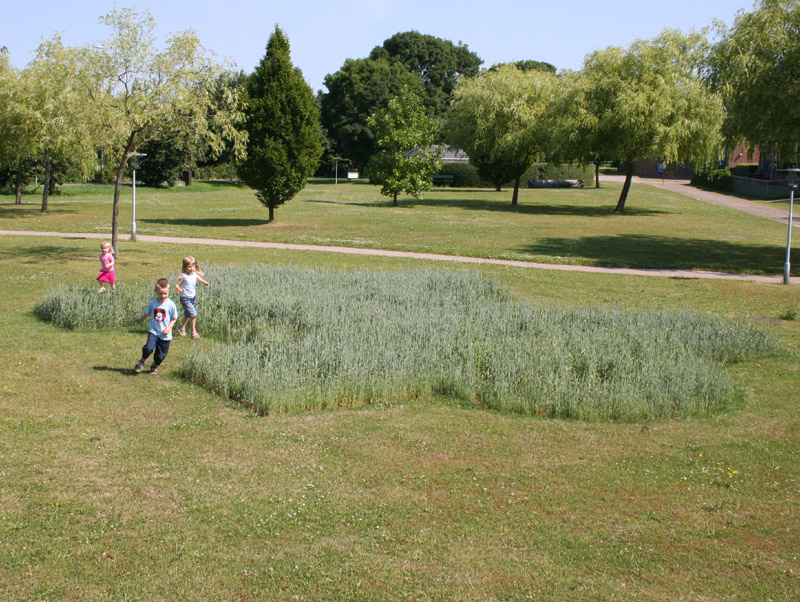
187 289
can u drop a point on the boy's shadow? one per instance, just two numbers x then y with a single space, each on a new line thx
110 369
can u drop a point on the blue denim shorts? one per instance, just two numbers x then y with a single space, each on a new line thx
189 309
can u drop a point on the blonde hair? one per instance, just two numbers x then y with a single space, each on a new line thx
187 261
105 244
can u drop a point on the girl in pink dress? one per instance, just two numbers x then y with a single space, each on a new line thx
106 275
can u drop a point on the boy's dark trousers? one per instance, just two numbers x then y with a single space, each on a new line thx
161 347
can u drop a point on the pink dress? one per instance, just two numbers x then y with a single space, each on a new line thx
107 268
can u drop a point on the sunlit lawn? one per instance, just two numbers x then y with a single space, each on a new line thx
659 229
115 486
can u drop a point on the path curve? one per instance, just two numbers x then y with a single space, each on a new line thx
685 188
693 274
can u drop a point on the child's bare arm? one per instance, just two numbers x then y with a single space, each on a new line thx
202 281
178 284
142 317
168 329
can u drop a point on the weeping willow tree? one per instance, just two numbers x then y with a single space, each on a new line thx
502 119
648 100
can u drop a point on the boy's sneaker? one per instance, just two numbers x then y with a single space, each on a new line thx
154 370
139 366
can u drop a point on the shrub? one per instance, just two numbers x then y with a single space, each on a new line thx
554 171
464 175
715 179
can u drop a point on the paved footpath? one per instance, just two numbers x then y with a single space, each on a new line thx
411 255
685 188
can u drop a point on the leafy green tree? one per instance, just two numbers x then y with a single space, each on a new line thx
164 161
138 93
359 89
16 127
405 135
755 66
647 101
502 120
56 104
282 122
528 65
439 63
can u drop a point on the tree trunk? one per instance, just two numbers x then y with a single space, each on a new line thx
625 187
18 185
117 188
271 213
597 174
394 204
46 191
187 177
515 196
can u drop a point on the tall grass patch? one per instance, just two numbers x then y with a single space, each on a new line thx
291 339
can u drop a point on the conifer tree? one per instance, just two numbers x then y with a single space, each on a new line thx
282 122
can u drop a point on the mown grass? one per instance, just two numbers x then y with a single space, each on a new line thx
659 229
115 486
298 339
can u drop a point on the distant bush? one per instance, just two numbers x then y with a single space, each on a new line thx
553 171
464 175
744 170
715 179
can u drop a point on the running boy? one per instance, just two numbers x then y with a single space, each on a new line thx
163 314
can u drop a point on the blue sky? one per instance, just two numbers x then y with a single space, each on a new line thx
323 34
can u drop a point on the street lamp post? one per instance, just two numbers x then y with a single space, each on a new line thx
134 163
336 170
787 265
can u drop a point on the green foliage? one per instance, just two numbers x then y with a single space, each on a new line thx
135 92
464 175
527 65
744 170
716 179
359 89
754 67
163 163
555 171
644 101
282 123
439 63
302 339
404 134
502 120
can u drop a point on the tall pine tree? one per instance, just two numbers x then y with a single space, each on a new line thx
282 122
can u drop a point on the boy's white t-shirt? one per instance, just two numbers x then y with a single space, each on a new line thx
161 314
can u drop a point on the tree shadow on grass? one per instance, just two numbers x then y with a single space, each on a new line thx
663 252
35 253
10 210
527 208
207 222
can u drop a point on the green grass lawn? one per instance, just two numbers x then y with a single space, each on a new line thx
659 229
122 487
